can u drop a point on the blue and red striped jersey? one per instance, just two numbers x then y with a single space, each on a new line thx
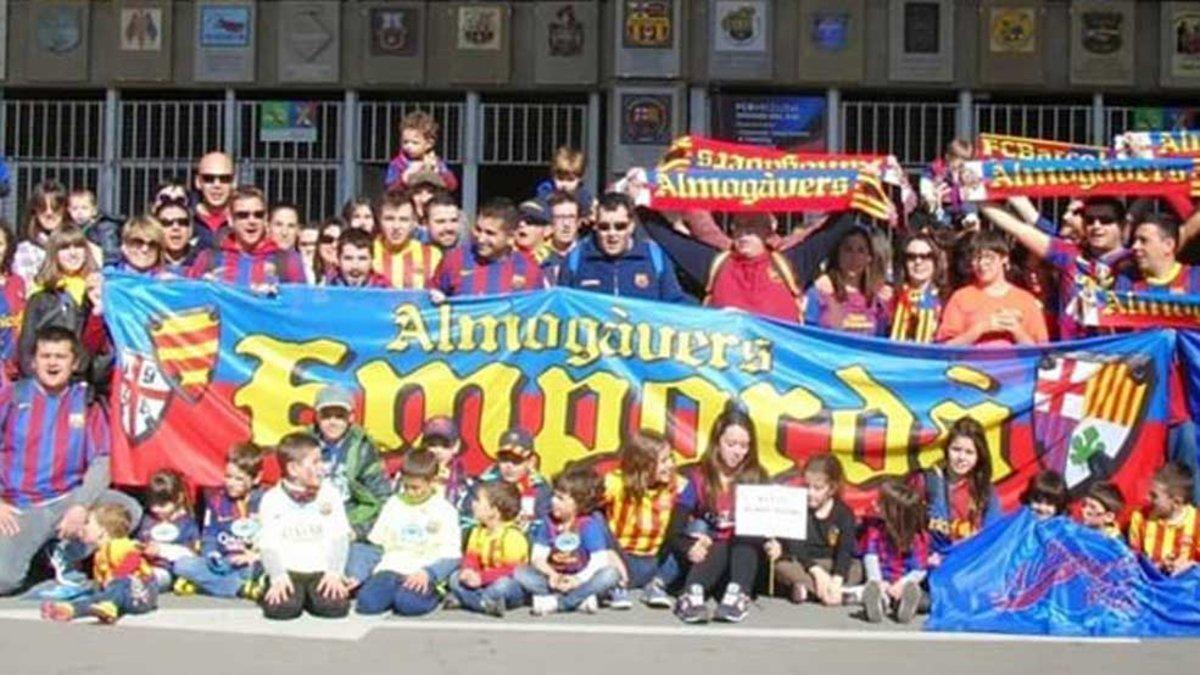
463 273
894 563
265 263
49 441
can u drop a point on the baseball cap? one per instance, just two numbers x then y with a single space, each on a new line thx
517 442
440 427
533 211
334 396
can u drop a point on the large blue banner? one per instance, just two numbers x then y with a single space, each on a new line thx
1056 577
204 365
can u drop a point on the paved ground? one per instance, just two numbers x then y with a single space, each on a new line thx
204 635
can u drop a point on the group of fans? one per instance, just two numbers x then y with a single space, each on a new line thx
337 526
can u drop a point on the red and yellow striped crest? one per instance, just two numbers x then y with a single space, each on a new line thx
186 347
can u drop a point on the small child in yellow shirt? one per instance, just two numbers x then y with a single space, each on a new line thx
496 547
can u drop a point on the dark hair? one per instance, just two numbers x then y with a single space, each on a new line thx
1167 227
294 447
710 465
394 199
1108 495
903 511
829 466
990 240
247 457
611 201
49 194
441 197
352 205
639 456
57 334
939 262
583 485
419 463
869 282
10 248
1047 486
980 480
355 237
504 496
166 486
501 209
1178 480
562 197
1112 203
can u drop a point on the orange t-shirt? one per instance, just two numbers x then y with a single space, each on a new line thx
970 304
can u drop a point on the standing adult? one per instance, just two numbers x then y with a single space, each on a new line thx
216 182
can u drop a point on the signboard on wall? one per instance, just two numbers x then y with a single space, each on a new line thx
481 42
224 41
309 41
58 46
785 122
566 37
144 31
740 39
921 40
1102 41
1180 39
396 42
1011 41
643 120
831 40
648 38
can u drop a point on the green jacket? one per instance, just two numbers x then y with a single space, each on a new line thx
367 485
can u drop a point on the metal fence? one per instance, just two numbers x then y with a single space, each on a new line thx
305 174
915 132
1067 123
527 134
160 140
51 139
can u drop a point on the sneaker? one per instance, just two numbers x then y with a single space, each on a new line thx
799 593
734 606
252 589
494 608
541 605
106 611
619 598
873 602
590 605
451 602
57 611
910 600
654 594
690 607
183 587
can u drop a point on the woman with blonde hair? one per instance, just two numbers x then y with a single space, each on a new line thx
64 292
142 241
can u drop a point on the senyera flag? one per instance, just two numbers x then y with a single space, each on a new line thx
583 372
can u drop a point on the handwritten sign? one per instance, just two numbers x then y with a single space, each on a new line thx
771 511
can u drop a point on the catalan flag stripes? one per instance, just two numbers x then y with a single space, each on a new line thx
1113 395
186 346
1161 540
639 525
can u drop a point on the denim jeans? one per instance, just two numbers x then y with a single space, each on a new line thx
385 590
362 560
643 569
221 584
505 589
536 583
131 596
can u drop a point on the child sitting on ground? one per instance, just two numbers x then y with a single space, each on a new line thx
229 563
572 564
495 548
418 531
305 536
121 573
1165 530
515 464
1100 508
168 531
896 553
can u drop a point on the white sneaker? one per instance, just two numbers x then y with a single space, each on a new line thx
545 604
590 605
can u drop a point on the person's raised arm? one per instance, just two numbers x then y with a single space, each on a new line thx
1027 235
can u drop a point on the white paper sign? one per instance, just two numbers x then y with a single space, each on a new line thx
771 511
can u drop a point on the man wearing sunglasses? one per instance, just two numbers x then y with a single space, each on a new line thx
487 264
245 255
615 262
216 182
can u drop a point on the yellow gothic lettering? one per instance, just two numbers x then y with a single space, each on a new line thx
766 407
272 391
557 389
898 425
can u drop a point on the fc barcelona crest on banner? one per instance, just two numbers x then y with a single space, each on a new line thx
144 393
566 33
1086 409
649 24
186 348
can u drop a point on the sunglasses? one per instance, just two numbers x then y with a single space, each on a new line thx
242 215
165 199
1099 220
327 239
222 178
136 243
619 226
509 457
914 257
175 222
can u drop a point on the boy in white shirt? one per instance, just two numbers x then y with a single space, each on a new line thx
421 540
305 537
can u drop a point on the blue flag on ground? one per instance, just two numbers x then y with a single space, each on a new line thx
1056 577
